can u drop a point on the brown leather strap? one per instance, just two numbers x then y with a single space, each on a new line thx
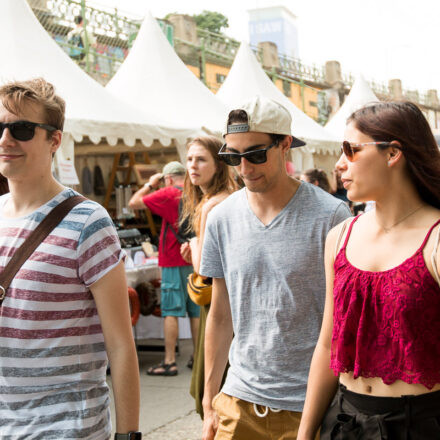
33 241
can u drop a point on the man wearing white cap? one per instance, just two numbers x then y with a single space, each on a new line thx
175 301
264 249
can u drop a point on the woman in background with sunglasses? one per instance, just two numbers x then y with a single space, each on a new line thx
208 181
381 325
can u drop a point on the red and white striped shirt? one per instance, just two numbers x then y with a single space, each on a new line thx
52 355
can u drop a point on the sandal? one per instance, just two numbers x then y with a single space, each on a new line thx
164 369
190 363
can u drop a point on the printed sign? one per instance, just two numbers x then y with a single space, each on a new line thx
67 173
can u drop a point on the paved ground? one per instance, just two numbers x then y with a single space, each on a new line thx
186 428
167 409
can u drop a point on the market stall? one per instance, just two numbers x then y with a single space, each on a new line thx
151 326
92 113
98 124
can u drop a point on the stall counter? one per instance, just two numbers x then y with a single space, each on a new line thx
151 327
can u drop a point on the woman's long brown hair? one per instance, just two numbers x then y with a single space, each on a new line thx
403 121
221 182
4 186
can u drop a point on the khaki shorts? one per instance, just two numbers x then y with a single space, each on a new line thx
238 420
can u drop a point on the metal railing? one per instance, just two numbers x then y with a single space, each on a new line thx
115 32
382 90
294 66
217 44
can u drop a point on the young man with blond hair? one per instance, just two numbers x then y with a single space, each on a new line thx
263 249
67 306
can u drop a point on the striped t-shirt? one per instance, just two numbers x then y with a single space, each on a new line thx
52 355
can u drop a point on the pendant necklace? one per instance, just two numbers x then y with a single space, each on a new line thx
388 229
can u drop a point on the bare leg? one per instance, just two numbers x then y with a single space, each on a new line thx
171 331
194 331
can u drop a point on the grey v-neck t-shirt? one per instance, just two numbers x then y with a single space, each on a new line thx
276 284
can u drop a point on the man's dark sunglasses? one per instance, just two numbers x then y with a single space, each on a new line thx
254 156
23 130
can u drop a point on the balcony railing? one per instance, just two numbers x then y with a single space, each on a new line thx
115 32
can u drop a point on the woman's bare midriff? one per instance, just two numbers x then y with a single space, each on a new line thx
374 386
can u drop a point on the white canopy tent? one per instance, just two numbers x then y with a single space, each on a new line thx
154 76
247 79
360 94
29 52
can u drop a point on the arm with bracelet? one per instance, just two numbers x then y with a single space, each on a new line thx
136 201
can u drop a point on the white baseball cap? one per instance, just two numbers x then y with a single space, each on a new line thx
265 116
173 167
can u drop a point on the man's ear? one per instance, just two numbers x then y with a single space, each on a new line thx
286 143
56 139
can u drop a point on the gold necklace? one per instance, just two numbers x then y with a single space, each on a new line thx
388 229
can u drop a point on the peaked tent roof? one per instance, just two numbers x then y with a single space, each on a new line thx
154 76
29 51
360 94
247 79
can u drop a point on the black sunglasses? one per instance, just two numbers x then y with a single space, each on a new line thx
254 156
23 130
350 149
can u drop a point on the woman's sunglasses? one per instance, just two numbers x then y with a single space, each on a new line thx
350 149
23 130
254 156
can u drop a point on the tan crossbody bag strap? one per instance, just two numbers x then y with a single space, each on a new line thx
341 233
33 241
434 257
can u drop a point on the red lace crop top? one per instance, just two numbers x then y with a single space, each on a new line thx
387 324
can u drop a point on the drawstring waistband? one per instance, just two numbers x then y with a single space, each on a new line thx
266 410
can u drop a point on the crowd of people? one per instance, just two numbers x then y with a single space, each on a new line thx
314 323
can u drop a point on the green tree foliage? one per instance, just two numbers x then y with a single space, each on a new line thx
169 15
211 21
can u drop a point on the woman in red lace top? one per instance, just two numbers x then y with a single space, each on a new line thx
381 328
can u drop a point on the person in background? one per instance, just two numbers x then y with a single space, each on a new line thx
336 186
208 181
67 307
317 177
76 39
381 324
264 249
175 301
